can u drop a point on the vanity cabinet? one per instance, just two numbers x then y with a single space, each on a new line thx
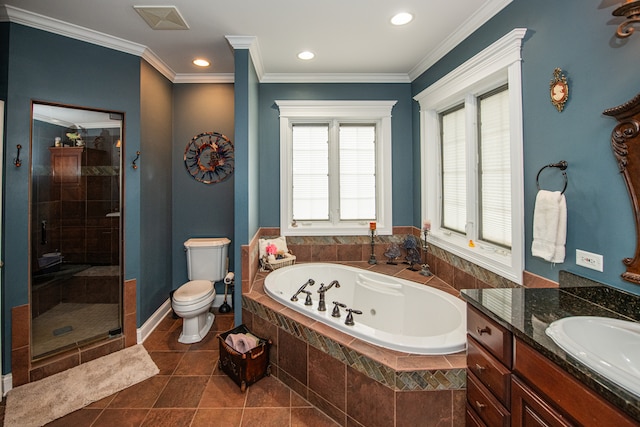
511 384
489 359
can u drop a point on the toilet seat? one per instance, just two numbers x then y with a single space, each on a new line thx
193 292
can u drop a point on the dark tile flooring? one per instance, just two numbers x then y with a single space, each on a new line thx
191 391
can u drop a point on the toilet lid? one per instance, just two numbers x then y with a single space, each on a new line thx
193 290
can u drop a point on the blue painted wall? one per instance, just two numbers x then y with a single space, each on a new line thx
602 71
155 203
403 150
199 210
247 203
47 67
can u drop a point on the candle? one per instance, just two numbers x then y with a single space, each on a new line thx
372 226
426 226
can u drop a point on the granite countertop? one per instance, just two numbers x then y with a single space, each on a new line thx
526 312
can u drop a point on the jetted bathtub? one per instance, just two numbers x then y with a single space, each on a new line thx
396 313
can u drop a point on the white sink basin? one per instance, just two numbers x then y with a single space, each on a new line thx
610 347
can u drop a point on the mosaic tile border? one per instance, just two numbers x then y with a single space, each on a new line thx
476 271
423 380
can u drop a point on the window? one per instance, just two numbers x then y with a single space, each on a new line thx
471 142
335 167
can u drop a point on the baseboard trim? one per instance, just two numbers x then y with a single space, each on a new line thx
7 383
152 322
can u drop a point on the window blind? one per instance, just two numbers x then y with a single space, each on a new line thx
357 172
495 168
310 172
454 169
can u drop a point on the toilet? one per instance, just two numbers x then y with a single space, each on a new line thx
206 264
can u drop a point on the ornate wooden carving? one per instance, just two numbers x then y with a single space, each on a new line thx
624 140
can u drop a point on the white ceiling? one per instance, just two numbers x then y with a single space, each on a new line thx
353 39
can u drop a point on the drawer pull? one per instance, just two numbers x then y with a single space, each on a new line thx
479 368
485 330
480 406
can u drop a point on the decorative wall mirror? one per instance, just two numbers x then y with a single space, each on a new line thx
75 227
624 140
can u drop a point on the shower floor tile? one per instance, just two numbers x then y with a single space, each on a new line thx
69 323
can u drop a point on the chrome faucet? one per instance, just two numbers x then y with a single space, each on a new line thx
322 306
309 282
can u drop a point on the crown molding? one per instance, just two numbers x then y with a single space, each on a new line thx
204 78
488 11
335 78
56 26
251 43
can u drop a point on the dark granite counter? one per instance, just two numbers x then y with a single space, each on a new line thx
527 313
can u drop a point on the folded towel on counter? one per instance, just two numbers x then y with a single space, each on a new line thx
241 342
549 226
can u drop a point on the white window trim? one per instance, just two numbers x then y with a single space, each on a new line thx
379 111
497 64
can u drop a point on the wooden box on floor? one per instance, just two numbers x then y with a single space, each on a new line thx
244 368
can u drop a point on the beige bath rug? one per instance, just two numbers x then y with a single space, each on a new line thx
41 402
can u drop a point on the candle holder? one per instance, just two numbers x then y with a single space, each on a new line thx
372 258
425 247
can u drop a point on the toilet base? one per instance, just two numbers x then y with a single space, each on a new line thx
194 329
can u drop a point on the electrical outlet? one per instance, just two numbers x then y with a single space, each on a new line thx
589 260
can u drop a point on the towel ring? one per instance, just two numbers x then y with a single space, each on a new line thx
562 165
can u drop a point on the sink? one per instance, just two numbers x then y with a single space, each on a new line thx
610 347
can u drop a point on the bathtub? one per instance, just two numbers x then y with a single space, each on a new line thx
396 313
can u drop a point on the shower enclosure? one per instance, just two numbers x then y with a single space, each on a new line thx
75 227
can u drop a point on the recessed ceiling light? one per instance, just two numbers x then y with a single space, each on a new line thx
402 18
306 55
201 62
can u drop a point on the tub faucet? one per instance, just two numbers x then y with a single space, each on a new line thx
322 306
309 282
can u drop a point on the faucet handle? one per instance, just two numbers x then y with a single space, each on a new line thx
336 308
349 321
307 300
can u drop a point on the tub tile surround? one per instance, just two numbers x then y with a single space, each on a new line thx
352 381
431 388
24 370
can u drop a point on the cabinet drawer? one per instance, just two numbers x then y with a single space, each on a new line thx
485 405
472 419
492 336
489 371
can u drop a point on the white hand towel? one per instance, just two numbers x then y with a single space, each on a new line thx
550 226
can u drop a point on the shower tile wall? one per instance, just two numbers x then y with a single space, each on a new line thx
74 188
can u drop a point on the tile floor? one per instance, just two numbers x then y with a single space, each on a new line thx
191 391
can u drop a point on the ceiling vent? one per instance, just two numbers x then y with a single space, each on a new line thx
162 17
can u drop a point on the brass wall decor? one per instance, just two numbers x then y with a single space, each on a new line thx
624 140
558 89
631 11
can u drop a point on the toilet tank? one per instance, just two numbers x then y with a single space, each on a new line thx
207 258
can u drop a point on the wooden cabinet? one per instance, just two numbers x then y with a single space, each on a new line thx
528 409
510 383
489 357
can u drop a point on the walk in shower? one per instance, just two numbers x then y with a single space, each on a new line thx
75 227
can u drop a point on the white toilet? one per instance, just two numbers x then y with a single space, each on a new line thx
206 264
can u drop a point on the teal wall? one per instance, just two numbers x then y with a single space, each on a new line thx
199 210
403 149
248 164
602 71
155 202
47 67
